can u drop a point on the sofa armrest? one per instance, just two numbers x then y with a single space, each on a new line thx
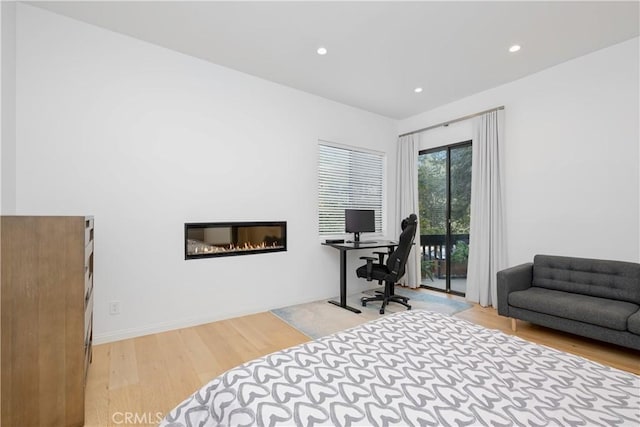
512 279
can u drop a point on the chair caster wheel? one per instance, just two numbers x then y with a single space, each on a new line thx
364 304
381 311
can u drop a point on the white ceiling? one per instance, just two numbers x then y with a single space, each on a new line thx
378 51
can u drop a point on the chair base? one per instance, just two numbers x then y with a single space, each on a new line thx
386 297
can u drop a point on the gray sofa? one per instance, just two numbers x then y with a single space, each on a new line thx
594 298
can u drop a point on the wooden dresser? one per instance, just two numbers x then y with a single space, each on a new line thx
46 319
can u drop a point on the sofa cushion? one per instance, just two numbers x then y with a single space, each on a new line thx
583 308
633 323
615 280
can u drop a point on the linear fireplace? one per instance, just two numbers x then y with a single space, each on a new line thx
214 239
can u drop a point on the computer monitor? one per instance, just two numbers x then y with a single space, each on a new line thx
358 221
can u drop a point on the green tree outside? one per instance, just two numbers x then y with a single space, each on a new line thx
432 191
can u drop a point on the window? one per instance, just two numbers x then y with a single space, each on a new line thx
348 178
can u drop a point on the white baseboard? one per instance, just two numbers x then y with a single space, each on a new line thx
156 328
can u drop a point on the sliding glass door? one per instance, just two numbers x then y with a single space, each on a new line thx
444 191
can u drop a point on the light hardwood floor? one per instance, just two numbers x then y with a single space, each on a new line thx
136 381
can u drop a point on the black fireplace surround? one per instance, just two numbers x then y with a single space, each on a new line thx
216 239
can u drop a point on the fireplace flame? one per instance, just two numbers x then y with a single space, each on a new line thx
195 247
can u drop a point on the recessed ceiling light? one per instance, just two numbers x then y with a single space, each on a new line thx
514 48
322 51
418 90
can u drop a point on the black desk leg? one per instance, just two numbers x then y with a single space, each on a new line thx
343 284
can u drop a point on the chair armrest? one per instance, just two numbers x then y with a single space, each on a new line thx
512 279
370 260
381 256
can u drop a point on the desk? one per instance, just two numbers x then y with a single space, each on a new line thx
343 248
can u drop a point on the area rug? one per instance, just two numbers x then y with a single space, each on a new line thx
319 318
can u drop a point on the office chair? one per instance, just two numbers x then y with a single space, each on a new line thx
393 270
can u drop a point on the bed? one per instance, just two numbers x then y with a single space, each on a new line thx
415 368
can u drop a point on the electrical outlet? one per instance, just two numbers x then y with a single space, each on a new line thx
114 307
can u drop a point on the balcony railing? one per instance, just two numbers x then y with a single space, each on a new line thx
433 247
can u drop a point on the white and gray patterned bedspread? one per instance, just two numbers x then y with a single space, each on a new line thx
416 368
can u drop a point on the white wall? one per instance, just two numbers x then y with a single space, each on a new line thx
146 139
8 107
572 155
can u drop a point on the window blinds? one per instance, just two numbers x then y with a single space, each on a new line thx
348 179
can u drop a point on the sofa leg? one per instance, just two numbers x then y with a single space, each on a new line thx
513 324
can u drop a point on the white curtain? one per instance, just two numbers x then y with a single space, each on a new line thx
487 252
407 201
